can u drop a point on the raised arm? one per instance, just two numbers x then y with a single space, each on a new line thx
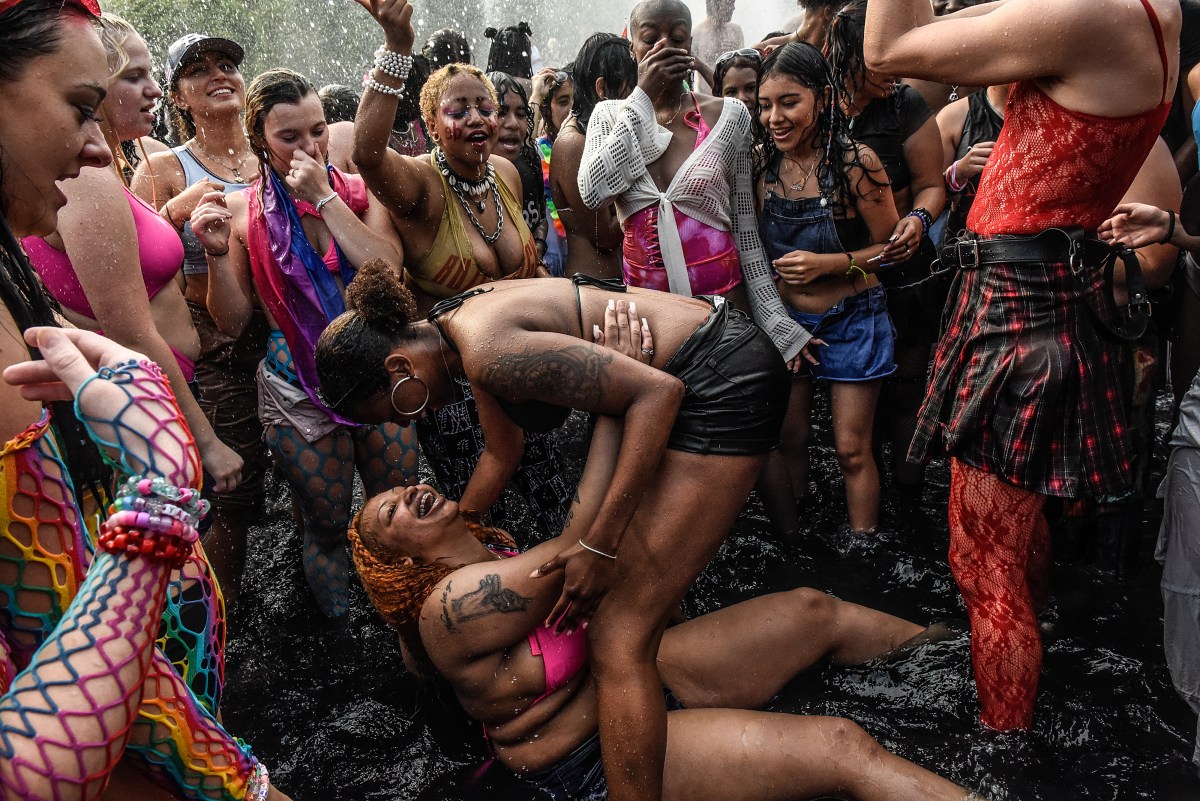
399 181
996 43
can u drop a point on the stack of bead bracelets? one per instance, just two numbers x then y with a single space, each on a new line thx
393 65
152 518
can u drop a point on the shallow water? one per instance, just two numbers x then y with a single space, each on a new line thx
335 716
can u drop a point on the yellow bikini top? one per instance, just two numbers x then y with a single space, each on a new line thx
449 266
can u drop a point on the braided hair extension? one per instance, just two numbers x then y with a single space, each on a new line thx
840 157
398 589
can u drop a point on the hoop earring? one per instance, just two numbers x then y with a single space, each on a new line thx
420 408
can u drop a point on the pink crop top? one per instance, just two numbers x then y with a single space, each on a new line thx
160 252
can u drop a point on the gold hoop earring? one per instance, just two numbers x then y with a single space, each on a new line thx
420 408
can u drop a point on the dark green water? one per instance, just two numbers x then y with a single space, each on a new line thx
334 715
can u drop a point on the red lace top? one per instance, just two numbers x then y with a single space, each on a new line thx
1054 167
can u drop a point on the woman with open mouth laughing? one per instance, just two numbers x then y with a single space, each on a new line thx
459 213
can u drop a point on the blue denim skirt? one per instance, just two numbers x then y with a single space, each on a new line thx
859 338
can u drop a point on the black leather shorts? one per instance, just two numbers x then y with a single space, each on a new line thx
737 386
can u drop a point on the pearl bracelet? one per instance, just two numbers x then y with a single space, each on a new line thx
393 64
383 89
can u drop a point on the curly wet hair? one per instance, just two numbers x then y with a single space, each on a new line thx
379 315
511 50
435 87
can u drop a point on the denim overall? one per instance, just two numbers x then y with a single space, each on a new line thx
857 331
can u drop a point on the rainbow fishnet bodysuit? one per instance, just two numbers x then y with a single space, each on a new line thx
47 559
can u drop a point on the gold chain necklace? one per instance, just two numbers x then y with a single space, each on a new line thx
678 108
799 187
236 169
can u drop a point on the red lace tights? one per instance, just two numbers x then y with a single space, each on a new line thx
999 554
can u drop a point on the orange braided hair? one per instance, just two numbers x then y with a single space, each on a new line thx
398 589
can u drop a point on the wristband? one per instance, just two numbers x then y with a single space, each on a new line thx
394 65
384 89
166 211
853 268
951 176
224 252
1166 240
925 218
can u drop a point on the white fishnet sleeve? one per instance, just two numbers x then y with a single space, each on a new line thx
622 138
765 303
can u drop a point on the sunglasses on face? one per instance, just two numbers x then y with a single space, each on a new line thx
732 55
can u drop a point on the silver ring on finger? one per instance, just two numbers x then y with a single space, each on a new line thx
648 351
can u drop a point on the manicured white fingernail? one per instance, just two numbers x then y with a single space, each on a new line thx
633 308
612 304
645 324
595 332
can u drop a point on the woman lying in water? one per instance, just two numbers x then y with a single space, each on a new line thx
524 346
467 607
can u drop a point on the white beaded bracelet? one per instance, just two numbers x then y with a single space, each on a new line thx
374 85
394 64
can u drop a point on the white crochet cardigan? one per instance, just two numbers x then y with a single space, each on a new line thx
623 137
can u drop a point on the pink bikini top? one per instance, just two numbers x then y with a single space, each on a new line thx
331 255
563 655
160 252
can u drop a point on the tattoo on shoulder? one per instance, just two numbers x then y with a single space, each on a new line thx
490 598
570 375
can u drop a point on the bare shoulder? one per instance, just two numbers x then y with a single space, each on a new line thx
953 115
160 177
507 172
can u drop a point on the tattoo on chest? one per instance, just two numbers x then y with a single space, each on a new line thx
491 598
571 375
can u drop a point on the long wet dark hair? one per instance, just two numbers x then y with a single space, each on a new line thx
30 30
844 46
602 55
839 155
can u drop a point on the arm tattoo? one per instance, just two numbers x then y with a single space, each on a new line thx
489 599
570 376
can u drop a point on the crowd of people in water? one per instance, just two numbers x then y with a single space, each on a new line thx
955 218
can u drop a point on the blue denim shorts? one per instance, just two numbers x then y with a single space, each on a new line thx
859 338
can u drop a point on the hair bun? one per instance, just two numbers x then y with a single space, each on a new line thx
380 298
490 32
524 28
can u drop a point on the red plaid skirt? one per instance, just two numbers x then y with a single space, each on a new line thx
1024 386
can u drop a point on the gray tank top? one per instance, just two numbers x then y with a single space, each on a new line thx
193 172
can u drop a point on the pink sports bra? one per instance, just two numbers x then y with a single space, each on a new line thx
160 252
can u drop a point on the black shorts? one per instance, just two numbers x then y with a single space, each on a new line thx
736 384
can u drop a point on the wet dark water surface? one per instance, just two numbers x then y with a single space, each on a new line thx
334 715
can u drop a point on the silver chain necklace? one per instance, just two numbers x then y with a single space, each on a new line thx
489 238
